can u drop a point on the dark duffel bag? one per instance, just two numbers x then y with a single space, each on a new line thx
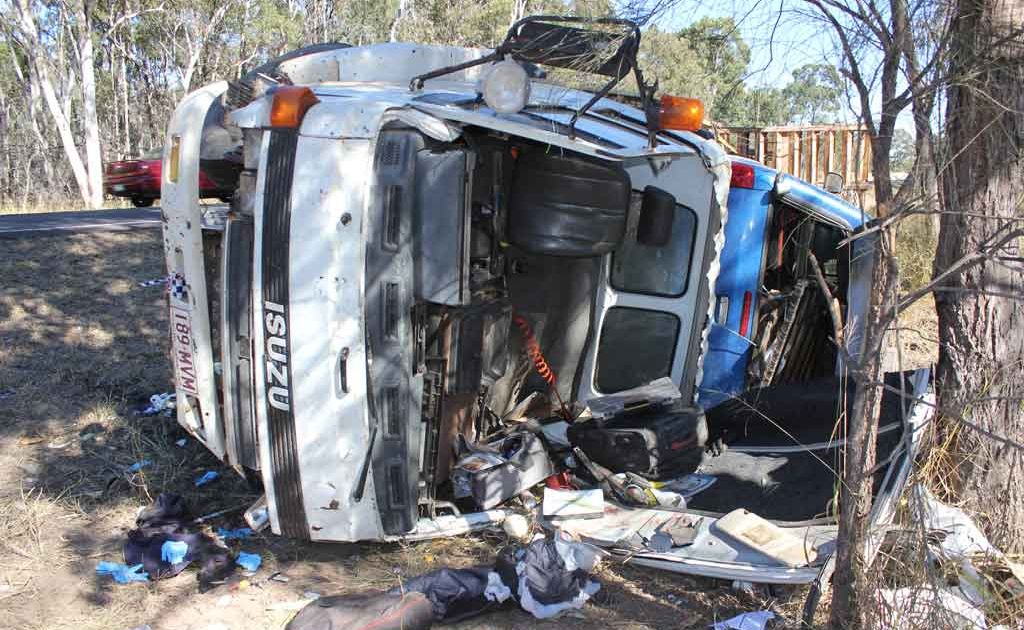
661 444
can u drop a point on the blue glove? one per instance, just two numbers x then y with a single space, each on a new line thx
234 534
122 574
137 466
207 477
248 561
173 551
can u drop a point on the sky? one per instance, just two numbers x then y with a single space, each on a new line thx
779 40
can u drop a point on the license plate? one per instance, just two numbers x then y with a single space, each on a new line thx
181 345
118 187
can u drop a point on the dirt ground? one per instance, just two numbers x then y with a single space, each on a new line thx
82 347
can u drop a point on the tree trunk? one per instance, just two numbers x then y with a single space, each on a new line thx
853 595
981 315
401 13
90 120
39 71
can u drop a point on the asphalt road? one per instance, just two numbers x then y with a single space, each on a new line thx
53 223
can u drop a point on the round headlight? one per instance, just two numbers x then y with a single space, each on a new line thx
506 87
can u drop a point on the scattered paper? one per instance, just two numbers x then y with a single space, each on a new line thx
747 621
569 504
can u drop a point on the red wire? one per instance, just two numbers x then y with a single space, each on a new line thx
536 355
534 352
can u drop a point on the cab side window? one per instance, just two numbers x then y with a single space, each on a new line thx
636 347
662 271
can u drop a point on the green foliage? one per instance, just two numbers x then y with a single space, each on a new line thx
668 58
474 24
903 151
723 58
759 107
709 60
361 22
814 95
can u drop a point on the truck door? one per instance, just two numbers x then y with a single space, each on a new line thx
652 304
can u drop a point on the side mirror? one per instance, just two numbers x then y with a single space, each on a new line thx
834 183
657 213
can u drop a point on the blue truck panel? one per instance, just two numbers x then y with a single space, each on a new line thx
729 352
742 262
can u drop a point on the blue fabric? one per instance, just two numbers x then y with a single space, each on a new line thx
137 466
122 574
173 551
248 561
207 477
234 534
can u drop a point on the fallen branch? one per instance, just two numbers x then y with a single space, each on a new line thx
830 300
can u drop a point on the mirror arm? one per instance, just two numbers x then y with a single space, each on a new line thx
418 80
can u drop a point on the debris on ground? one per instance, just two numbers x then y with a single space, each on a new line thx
747 621
121 573
207 477
560 505
766 538
240 533
257 515
494 473
924 606
137 466
554 575
974 574
547 577
169 520
173 551
163 404
155 282
516 527
379 611
248 561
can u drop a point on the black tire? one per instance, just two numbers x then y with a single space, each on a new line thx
142 202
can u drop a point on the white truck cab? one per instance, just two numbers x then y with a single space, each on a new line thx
420 238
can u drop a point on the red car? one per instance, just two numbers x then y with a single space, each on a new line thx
139 180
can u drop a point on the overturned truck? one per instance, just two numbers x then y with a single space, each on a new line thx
433 252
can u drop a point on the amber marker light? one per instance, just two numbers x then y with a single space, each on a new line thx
290 104
680 113
173 158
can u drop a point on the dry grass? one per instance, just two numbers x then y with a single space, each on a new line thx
66 205
918 334
77 205
910 557
916 239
